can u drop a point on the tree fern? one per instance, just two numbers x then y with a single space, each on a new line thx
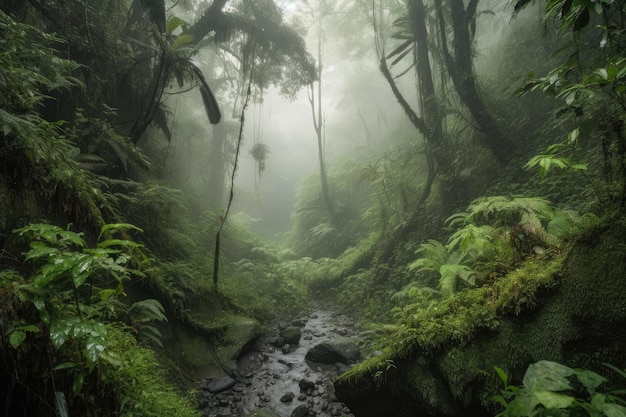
473 241
506 211
450 275
432 255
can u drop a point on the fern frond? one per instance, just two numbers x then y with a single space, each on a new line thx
148 310
432 255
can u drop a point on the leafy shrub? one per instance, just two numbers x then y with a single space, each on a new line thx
552 389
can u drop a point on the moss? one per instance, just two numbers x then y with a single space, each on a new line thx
458 320
141 382
518 290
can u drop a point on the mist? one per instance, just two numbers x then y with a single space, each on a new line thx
290 208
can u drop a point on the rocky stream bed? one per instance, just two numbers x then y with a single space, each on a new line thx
288 371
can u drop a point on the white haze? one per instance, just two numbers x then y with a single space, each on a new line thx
352 83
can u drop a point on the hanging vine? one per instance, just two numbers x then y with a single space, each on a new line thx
216 258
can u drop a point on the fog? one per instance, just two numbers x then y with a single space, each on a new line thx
359 109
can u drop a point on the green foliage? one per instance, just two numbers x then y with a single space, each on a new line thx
553 389
62 308
317 235
140 382
591 83
558 155
38 155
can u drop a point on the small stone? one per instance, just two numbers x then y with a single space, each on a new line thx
286 349
302 397
221 384
306 385
287 398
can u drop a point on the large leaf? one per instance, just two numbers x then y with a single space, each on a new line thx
589 379
547 376
551 399
210 103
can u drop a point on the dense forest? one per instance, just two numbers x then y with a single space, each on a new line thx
187 187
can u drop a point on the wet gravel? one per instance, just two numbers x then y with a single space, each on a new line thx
274 377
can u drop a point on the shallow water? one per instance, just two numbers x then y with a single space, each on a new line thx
266 374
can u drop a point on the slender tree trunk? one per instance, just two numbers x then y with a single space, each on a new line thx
216 166
318 123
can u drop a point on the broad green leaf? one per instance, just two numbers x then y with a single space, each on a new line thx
573 135
93 349
40 250
523 405
590 380
44 315
172 24
182 40
16 338
77 385
613 410
551 399
547 376
81 269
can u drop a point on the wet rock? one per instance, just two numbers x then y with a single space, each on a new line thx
285 349
291 335
342 350
300 411
287 398
221 384
299 323
241 334
277 341
306 385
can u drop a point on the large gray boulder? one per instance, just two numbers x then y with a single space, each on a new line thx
342 350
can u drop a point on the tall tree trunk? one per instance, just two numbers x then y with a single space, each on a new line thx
460 68
427 97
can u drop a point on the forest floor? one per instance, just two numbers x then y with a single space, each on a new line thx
276 379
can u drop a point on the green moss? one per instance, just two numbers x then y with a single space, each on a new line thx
140 381
457 320
518 290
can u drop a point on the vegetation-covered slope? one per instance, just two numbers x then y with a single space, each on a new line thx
435 235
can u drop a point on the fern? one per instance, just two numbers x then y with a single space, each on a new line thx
508 211
450 275
148 310
473 241
432 255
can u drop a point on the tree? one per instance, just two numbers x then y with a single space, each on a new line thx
318 115
459 66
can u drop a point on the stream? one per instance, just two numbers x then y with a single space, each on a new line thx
276 379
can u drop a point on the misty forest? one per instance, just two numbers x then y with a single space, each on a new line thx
289 208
